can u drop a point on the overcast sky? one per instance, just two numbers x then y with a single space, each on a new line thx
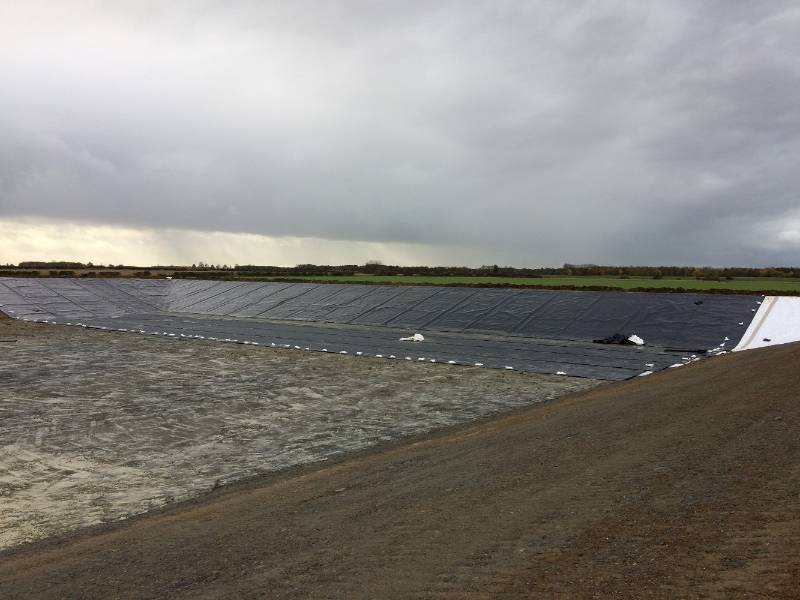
525 133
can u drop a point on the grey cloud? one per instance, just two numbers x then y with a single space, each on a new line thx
529 132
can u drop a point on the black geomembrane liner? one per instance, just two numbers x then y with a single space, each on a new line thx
543 331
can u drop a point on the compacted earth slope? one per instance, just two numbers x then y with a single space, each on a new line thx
681 484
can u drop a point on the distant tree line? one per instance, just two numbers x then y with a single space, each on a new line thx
67 265
376 268
674 271
201 269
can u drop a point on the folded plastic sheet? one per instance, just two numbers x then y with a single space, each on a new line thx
537 330
777 321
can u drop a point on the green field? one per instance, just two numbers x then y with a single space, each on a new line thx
749 284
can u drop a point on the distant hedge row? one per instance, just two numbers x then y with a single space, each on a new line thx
377 268
67 269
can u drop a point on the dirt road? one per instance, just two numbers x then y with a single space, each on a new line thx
683 484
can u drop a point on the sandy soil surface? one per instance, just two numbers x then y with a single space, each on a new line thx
96 426
683 484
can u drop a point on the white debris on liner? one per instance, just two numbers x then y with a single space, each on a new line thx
560 373
642 374
636 340
676 365
417 337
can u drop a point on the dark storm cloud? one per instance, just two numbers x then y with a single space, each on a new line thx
532 132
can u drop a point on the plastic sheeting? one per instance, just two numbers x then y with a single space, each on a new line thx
534 330
777 321
683 321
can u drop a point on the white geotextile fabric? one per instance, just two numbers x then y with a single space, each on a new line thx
776 322
417 337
